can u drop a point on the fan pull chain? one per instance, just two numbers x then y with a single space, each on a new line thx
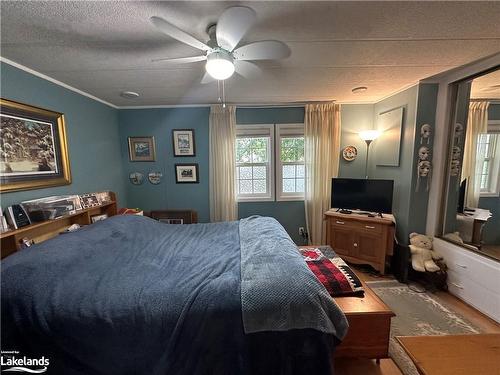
219 99
223 94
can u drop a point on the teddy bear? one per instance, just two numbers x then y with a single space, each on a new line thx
422 255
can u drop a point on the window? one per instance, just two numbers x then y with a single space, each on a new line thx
260 161
488 171
290 171
254 173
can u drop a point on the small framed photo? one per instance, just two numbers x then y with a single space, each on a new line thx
183 142
97 218
141 148
186 174
171 221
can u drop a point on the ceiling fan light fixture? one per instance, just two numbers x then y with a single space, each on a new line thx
220 65
359 89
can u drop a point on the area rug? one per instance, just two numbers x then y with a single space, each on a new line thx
417 314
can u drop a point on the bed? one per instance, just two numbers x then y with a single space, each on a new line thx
129 295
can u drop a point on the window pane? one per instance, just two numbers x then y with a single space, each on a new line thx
259 155
259 186
245 187
289 171
300 185
300 171
288 185
259 172
246 173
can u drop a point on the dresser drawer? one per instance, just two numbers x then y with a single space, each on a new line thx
370 227
471 266
341 223
484 299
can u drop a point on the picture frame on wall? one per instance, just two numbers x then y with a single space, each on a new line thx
183 142
33 148
141 148
187 173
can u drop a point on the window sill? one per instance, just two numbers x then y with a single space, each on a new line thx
289 199
254 199
489 195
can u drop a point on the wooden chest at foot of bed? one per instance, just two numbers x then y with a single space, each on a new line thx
369 326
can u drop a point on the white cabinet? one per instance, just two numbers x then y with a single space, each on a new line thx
472 277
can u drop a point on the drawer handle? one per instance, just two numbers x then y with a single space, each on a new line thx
355 244
458 286
369 227
462 265
340 222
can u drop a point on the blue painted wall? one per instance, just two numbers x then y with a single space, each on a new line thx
354 118
92 135
494 112
168 194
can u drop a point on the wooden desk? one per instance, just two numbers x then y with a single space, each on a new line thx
369 326
454 354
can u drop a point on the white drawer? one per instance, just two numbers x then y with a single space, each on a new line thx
485 300
472 266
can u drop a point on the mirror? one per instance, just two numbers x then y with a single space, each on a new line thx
471 207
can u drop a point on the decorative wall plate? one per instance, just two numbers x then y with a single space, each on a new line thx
136 178
155 177
349 153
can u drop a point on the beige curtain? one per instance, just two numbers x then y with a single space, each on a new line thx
477 123
322 149
223 206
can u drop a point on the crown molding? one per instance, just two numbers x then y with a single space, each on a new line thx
55 81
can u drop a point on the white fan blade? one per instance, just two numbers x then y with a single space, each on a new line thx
182 60
233 25
178 34
264 50
207 78
247 69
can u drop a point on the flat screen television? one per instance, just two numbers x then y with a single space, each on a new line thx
362 194
461 197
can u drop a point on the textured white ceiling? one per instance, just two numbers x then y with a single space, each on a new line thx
487 86
106 47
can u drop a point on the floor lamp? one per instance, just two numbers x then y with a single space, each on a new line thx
368 136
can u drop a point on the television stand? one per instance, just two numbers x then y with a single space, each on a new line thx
361 239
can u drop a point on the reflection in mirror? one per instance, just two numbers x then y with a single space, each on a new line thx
471 216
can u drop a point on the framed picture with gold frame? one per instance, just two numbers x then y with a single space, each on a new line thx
141 148
33 148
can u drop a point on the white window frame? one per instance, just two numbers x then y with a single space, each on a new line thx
284 130
494 186
260 130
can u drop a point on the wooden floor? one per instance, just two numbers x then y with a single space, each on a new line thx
348 366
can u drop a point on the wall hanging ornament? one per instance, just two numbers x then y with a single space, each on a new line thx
455 168
456 153
424 169
425 133
155 177
458 133
349 153
424 153
136 178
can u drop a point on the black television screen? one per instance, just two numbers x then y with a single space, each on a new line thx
362 194
461 197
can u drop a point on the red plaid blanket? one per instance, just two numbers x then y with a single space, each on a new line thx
337 277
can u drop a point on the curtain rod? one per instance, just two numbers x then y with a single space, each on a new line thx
496 100
279 105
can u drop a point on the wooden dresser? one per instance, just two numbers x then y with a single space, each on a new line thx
360 239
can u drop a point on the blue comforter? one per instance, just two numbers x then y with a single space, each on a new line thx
129 295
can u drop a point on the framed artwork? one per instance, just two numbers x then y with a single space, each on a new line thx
141 148
186 173
388 144
33 148
183 142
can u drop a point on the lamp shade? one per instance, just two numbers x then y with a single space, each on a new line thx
369 135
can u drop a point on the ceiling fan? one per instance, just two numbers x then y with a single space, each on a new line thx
220 52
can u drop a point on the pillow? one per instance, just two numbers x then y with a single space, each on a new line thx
336 276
